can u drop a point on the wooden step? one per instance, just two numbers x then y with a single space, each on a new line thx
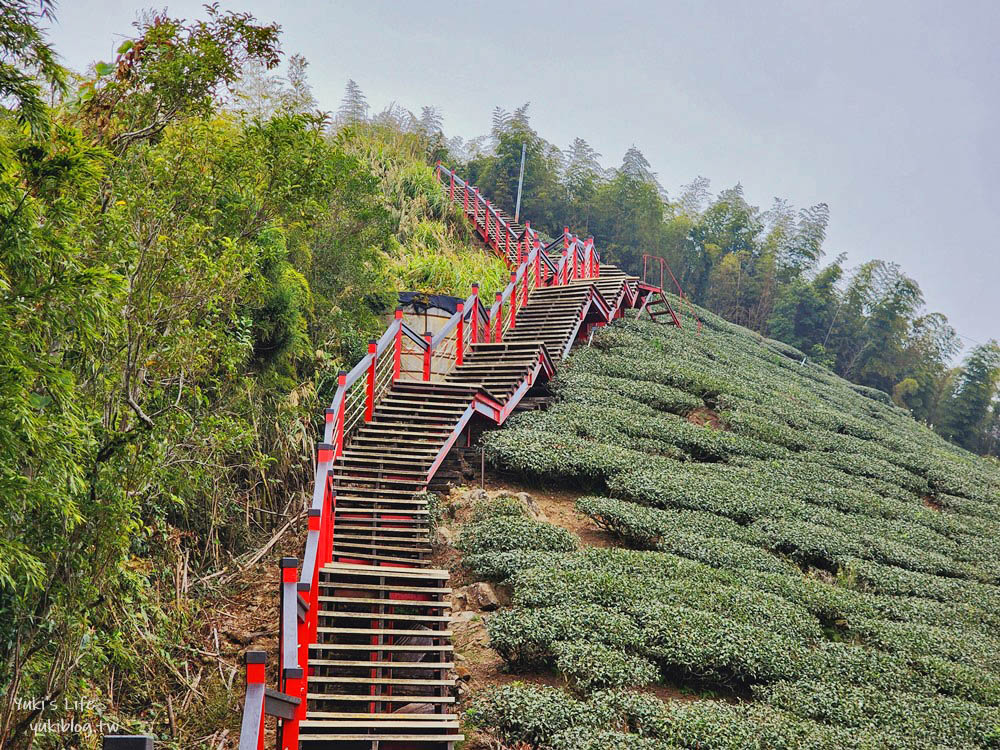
389 721
386 558
422 540
353 497
385 631
415 549
373 647
380 587
351 697
394 602
369 616
376 571
436 666
338 680
382 737
392 716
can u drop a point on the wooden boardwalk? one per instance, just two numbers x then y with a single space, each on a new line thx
373 622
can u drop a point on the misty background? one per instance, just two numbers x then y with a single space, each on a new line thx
885 111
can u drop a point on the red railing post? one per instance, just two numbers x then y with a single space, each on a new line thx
475 209
524 280
427 356
370 390
498 322
460 329
474 320
292 677
341 383
538 263
397 345
324 455
506 242
513 299
256 675
486 221
451 187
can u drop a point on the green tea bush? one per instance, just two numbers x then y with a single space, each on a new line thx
506 533
525 714
592 738
503 505
934 719
822 551
591 666
526 637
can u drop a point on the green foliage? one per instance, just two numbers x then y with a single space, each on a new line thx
819 548
592 666
505 533
179 285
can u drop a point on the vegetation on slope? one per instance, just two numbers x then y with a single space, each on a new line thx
762 268
818 554
182 273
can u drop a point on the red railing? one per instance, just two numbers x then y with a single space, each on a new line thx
359 391
579 259
655 261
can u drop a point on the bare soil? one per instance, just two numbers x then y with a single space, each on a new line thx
705 417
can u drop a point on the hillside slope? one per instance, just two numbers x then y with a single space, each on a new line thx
796 543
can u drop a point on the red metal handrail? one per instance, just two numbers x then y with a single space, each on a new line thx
360 389
663 265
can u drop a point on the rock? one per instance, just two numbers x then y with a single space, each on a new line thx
532 507
443 537
457 618
463 673
459 658
482 596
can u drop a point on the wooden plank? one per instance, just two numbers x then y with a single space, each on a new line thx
350 698
416 549
391 716
372 647
384 664
393 602
381 571
378 681
337 615
386 631
394 723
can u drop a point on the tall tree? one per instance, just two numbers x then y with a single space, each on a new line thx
27 61
354 105
969 410
299 97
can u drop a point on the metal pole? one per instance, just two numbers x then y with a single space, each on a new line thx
520 184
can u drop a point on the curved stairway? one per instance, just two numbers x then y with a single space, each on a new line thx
380 659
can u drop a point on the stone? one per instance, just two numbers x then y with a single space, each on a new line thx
443 537
532 507
482 596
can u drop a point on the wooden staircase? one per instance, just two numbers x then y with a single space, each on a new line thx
373 629
379 672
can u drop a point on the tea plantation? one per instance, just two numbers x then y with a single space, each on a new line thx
812 554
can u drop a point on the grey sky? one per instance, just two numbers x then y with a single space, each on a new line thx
885 110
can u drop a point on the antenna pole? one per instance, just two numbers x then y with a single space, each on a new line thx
520 184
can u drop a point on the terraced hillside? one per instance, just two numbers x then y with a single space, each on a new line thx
794 548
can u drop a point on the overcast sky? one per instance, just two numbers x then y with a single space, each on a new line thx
887 111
